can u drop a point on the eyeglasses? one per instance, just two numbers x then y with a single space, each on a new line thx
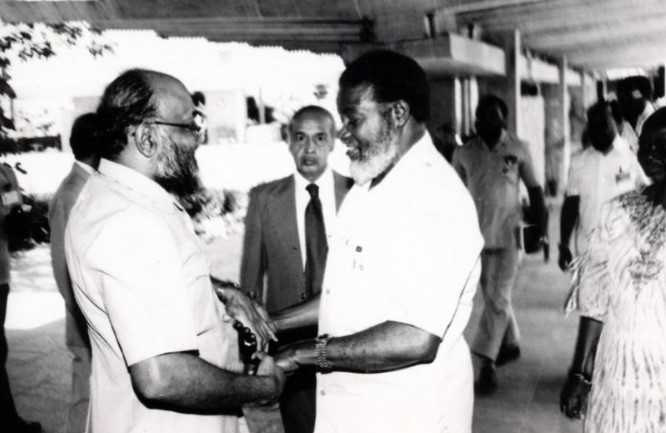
192 127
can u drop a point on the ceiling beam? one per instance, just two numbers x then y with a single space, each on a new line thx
636 55
560 13
249 29
614 31
460 6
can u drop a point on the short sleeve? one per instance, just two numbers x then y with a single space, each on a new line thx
143 286
435 266
591 281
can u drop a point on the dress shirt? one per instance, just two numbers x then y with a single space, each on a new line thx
326 186
596 178
142 282
405 250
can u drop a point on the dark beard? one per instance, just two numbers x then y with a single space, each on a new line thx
180 176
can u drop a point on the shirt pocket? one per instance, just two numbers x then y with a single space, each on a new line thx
509 167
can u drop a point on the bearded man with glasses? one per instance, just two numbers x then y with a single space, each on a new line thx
163 350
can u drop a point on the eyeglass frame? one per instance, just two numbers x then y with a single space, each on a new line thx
192 127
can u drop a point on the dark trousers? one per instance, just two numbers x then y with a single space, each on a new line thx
298 400
7 408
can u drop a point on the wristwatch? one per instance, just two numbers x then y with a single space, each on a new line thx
323 364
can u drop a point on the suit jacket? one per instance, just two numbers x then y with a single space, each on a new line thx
271 246
59 209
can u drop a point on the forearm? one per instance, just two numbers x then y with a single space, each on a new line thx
589 331
298 316
384 347
568 218
185 382
538 208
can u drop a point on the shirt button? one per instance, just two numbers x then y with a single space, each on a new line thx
359 248
322 392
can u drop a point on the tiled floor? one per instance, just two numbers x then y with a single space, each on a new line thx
525 403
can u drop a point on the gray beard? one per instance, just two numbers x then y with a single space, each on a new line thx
382 155
364 171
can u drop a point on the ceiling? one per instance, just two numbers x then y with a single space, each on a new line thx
594 35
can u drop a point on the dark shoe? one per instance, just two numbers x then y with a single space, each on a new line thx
23 426
507 353
487 382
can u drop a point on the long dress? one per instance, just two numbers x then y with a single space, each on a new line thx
621 281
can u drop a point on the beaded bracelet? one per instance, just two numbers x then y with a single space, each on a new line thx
323 364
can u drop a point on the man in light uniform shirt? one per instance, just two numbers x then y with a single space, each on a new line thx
599 173
492 165
402 268
163 352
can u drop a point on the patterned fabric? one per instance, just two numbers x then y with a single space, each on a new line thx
621 281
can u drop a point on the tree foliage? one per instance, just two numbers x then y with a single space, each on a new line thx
25 41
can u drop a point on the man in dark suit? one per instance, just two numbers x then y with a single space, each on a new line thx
285 245
83 145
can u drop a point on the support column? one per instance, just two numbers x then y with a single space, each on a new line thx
583 88
563 96
512 50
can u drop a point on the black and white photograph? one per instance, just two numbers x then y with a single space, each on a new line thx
344 216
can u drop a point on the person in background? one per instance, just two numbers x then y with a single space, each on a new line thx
285 246
634 95
492 165
617 378
604 170
83 142
10 198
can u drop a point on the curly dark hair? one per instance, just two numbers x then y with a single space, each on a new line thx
392 77
126 101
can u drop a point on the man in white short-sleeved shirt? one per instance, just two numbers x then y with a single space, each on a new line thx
402 268
163 352
599 173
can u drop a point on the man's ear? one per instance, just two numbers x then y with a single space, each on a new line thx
144 140
400 113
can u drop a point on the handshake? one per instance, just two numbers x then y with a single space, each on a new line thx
256 331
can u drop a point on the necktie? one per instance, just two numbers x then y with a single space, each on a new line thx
316 246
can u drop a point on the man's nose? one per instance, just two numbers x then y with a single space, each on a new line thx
344 135
310 146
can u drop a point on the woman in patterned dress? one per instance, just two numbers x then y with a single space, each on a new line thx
619 288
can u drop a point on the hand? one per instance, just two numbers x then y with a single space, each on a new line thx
268 367
565 257
286 359
573 398
248 312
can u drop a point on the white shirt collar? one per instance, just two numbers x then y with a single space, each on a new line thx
323 181
136 181
420 151
88 169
